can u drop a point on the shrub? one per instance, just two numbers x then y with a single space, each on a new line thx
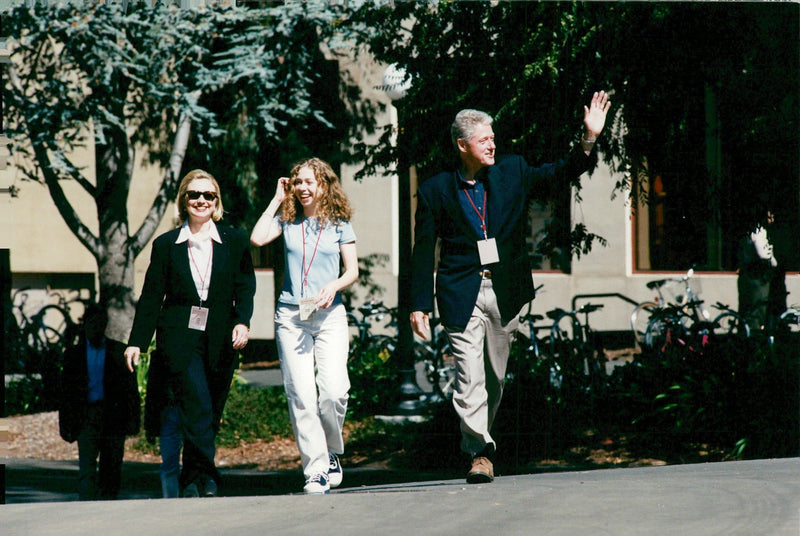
739 395
24 396
374 385
253 413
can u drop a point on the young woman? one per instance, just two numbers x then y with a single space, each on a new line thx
312 213
198 299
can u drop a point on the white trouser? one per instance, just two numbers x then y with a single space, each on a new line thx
313 356
481 354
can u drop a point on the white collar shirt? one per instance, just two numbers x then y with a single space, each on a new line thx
201 253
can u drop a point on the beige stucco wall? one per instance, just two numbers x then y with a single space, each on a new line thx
41 245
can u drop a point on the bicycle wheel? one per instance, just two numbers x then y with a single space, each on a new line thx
730 324
790 321
787 328
446 371
438 364
47 337
566 341
640 318
656 333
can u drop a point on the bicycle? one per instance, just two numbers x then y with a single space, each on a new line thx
786 327
535 347
652 321
438 361
364 340
683 294
35 347
41 330
729 322
574 345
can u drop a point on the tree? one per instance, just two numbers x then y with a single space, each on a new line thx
684 79
710 96
525 63
118 78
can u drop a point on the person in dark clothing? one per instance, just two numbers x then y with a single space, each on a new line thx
99 406
758 271
197 299
477 214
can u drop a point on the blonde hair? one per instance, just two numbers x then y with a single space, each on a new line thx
332 205
184 187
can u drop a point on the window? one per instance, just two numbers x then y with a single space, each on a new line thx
675 229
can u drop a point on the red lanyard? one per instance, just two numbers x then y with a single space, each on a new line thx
314 254
481 216
202 277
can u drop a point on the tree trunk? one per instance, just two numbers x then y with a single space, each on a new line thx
116 276
115 256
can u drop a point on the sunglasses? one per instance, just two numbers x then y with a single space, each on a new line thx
195 195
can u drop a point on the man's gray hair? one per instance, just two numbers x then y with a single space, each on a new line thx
463 127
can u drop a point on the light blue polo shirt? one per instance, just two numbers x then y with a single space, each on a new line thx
325 266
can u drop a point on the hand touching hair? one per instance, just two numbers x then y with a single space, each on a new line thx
333 203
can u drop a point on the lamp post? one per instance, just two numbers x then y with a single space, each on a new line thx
396 84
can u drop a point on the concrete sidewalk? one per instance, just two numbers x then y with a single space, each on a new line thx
747 498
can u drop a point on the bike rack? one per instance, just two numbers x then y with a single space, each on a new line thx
603 295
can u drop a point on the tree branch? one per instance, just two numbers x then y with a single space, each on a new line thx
74 223
169 185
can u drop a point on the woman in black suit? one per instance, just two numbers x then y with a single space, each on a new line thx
198 299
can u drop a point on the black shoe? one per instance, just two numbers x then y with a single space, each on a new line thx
191 491
209 487
481 472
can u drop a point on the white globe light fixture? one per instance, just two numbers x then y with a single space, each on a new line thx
396 82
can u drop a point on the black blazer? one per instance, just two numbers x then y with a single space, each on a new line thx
510 183
169 293
121 404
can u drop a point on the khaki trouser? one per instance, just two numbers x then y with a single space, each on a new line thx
481 354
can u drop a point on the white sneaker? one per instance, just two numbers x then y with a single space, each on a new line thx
334 470
317 484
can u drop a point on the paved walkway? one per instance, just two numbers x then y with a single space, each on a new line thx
731 498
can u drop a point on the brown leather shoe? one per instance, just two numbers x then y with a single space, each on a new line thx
481 471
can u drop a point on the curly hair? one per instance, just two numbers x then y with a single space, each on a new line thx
332 206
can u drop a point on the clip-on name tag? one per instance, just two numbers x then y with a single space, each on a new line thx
487 251
198 318
307 307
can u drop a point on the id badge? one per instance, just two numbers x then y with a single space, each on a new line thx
307 307
487 250
198 318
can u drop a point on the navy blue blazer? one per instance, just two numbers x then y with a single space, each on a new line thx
169 293
121 404
510 183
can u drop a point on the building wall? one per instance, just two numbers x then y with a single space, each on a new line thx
44 254
610 269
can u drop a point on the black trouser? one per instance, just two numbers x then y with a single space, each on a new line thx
194 405
94 442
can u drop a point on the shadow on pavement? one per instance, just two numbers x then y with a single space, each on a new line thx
30 480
